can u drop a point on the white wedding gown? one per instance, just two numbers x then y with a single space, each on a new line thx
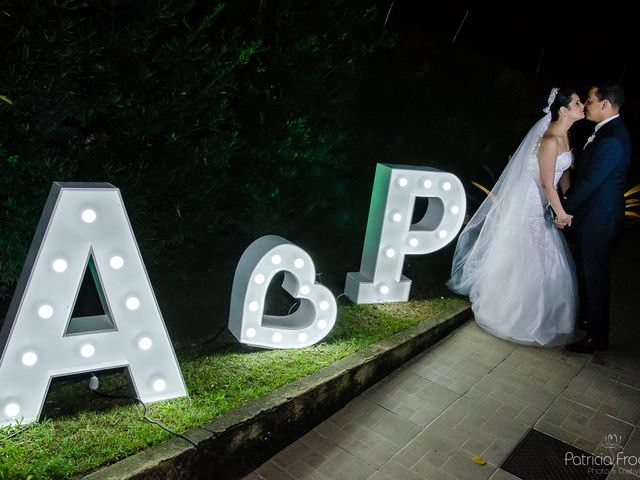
522 282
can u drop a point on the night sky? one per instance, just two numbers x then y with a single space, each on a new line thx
580 46
564 46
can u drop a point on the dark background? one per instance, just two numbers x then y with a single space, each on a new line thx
580 45
221 123
556 43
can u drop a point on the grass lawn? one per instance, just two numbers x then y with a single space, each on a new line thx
82 431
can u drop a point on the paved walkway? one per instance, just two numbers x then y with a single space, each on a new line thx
474 394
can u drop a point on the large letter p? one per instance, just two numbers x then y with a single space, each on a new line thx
390 235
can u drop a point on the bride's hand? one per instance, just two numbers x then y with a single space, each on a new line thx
563 220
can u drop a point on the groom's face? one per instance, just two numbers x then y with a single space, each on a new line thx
593 106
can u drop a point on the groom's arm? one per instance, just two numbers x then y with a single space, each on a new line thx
604 160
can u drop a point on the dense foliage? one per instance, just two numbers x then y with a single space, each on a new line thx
209 116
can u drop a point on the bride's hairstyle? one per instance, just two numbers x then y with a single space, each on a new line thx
562 99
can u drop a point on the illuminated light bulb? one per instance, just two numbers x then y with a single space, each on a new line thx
88 216
250 333
390 252
276 337
259 279
87 350
383 289
396 217
298 263
302 337
12 410
29 359
45 311
322 324
276 259
59 265
427 184
116 262
133 303
304 290
413 241
403 182
443 234
324 305
446 186
159 385
455 209
145 343
253 306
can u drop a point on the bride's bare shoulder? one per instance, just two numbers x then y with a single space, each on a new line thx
551 139
549 145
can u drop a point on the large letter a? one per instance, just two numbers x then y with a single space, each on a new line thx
82 223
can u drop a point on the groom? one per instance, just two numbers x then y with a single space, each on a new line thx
596 199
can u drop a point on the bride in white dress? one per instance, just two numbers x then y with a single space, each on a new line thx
510 259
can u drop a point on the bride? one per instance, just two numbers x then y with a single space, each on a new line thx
510 259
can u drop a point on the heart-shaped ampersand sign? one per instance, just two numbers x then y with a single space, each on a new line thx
309 324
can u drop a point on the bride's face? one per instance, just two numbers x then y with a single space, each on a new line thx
575 109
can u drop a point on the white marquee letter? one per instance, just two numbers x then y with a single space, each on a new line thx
390 235
309 324
83 222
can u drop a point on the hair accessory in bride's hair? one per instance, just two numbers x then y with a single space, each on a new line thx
552 97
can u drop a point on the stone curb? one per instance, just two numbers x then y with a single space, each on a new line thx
234 444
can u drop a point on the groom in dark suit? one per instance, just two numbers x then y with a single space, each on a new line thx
596 199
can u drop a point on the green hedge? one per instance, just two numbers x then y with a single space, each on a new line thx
209 116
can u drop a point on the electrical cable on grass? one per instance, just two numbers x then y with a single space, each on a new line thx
16 433
93 386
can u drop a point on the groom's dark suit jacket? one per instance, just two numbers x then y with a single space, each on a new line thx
596 199
596 196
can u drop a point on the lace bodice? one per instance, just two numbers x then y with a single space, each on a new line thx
563 162
536 201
